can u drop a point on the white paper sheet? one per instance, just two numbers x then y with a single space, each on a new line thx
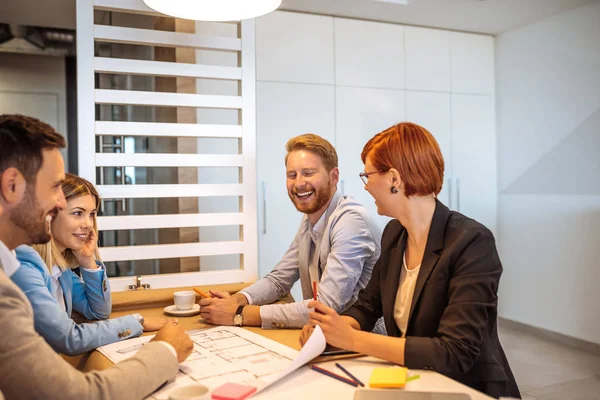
312 348
119 351
228 354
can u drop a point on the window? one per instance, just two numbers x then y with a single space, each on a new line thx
166 122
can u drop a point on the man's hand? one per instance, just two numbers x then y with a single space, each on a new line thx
219 309
307 330
176 337
240 299
337 331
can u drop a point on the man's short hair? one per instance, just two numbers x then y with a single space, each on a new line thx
22 141
315 144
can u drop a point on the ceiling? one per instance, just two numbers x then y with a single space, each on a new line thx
49 13
484 16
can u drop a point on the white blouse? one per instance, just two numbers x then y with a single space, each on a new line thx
57 291
406 289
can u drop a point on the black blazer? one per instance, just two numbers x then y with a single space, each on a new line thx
452 322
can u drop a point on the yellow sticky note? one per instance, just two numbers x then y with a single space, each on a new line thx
394 377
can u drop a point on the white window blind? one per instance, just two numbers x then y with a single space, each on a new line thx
122 131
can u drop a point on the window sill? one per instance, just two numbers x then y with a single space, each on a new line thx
140 299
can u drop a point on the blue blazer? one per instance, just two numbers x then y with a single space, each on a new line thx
88 295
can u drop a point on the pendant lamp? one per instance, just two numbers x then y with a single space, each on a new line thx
214 10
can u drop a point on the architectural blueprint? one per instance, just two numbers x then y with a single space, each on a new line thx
227 354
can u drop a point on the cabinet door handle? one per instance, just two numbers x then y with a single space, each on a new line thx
450 194
457 194
264 195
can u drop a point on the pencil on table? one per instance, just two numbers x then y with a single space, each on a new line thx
334 375
202 294
349 374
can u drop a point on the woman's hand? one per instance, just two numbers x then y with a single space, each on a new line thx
307 330
153 324
86 256
337 331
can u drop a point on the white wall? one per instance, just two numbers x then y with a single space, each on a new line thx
548 112
34 85
347 80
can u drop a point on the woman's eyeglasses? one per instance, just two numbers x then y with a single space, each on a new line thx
365 175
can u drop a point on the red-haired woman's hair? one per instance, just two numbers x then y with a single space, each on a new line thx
414 152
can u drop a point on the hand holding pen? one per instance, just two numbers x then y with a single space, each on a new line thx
336 328
174 334
202 294
218 307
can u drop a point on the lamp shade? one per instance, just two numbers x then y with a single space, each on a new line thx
214 10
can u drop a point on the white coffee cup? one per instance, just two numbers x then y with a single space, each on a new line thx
184 300
191 392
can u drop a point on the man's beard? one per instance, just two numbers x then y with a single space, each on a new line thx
30 217
322 197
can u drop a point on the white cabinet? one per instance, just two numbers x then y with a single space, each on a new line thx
427 58
293 47
284 110
369 54
345 80
432 111
360 114
472 63
474 158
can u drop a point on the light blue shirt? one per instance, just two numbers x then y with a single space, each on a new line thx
347 246
88 295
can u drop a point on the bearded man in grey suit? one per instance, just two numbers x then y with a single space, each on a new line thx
31 173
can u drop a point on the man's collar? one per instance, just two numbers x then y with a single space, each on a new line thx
8 260
319 227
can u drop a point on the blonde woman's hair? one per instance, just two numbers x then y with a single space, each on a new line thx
73 186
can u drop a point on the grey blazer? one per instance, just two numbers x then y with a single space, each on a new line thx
30 369
348 250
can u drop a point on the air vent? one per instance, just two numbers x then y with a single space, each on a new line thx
36 40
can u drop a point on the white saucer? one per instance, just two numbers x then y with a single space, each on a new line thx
182 313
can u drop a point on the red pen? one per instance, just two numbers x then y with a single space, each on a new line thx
315 290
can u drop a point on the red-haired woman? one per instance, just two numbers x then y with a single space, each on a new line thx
436 281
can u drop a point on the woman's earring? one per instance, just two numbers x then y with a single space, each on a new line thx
394 189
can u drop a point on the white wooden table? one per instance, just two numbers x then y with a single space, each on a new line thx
308 384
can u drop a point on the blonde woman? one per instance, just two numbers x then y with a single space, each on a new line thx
46 276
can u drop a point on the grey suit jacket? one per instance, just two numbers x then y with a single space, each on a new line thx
348 250
30 369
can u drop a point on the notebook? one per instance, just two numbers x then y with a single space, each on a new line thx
393 377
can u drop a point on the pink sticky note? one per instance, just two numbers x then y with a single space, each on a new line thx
232 391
